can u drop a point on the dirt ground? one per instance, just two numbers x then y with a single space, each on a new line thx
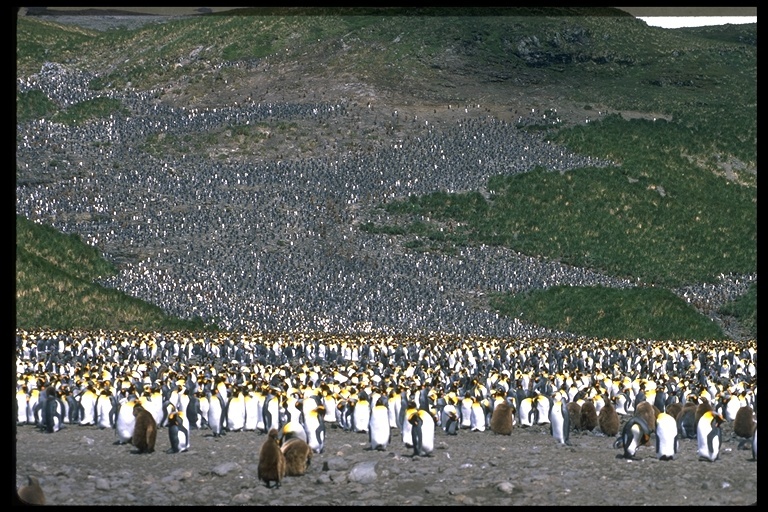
80 465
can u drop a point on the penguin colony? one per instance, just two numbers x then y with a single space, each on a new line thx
414 389
181 215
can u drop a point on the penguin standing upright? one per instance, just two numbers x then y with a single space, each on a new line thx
526 411
144 431
52 412
407 431
271 466
125 421
477 417
709 435
314 424
178 432
744 425
589 419
236 411
379 434
361 414
608 419
87 400
666 437
559 421
634 435
502 418
543 405
465 411
422 433
106 408
216 413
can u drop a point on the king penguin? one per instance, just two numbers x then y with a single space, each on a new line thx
216 413
178 432
422 433
407 431
298 456
125 421
271 466
608 419
503 418
559 421
314 423
666 437
378 428
634 435
144 431
361 414
709 435
236 411
744 425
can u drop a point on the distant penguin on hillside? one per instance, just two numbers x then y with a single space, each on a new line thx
271 468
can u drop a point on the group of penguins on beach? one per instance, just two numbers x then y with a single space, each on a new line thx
387 387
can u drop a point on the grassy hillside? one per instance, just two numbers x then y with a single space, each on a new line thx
676 109
55 287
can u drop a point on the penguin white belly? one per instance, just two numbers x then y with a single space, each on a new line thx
524 413
362 416
125 423
379 428
708 438
236 414
557 423
427 432
88 410
477 418
666 437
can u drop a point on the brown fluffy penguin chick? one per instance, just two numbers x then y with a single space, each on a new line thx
608 419
647 412
502 419
271 461
574 413
588 415
298 456
744 425
144 431
674 409
32 493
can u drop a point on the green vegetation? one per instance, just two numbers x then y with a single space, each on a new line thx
678 208
648 313
55 287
